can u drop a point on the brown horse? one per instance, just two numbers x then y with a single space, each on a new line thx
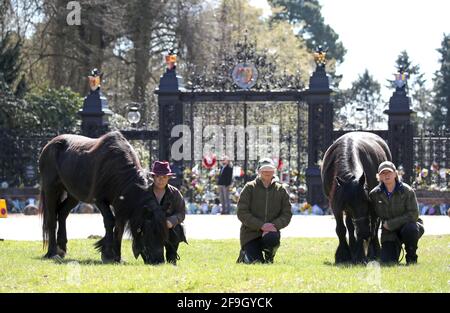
106 172
348 172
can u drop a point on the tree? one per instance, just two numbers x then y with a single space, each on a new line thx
363 102
10 58
306 15
441 113
145 24
5 7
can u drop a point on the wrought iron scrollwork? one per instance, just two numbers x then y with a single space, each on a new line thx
217 75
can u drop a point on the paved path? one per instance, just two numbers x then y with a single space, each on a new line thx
21 227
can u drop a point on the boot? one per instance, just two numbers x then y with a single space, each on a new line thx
246 259
390 252
269 255
411 256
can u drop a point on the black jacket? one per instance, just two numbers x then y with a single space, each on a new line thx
225 176
173 205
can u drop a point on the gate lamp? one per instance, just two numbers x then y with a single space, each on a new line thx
133 116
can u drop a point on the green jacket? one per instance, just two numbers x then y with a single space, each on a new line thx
258 205
400 209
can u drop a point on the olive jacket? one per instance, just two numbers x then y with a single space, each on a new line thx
258 205
400 209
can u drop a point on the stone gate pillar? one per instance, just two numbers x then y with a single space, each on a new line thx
400 130
320 127
95 112
170 110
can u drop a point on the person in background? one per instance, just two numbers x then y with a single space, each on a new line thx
216 209
264 209
396 204
224 182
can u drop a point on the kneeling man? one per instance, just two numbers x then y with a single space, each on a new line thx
264 209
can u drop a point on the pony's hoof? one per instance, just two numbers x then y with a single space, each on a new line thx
61 253
360 262
49 255
342 261
343 255
109 260
57 258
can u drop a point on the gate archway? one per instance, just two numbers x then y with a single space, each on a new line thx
177 104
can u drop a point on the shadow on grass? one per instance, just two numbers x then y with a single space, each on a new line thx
343 265
340 265
59 260
83 262
350 265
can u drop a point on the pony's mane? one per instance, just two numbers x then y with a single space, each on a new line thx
117 164
158 221
347 165
341 159
352 155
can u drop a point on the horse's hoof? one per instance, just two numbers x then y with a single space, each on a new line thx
360 262
342 262
57 258
61 253
109 260
343 255
49 255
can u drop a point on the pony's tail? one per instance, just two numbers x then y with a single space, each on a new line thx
49 154
43 212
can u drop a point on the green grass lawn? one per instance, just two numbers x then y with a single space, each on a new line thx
301 265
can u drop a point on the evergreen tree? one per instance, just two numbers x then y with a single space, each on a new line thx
306 15
423 105
441 112
363 102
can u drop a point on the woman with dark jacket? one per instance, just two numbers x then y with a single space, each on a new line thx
396 204
172 202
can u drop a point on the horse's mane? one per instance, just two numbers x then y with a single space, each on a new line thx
158 222
352 155
117 165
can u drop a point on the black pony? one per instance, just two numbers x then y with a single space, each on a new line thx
349 171
107 172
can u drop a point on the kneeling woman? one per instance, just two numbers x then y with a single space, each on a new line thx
172 202
395 203
264 209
